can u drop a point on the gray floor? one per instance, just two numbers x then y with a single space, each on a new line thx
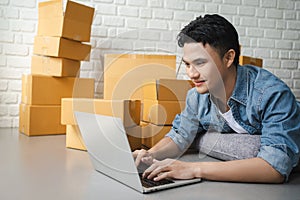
42 168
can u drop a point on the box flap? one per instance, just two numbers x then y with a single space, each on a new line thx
79 12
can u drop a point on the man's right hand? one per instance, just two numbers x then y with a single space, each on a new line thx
143 156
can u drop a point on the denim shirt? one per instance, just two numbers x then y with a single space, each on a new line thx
261 103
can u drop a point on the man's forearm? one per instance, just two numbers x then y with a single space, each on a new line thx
165 148
248 170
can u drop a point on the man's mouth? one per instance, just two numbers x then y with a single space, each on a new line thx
199 82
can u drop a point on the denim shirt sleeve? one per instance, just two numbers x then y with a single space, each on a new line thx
186 125
280 139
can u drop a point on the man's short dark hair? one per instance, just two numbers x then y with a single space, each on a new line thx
213 30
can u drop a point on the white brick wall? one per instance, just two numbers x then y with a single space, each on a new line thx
268 29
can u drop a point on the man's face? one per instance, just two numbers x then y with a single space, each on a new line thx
205 67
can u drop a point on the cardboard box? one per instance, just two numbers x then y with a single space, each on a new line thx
72 22
125 74
74 139
40 120
167 89
152 134
128 110
161 112
48 90
134 136
61 47
243 60
51 66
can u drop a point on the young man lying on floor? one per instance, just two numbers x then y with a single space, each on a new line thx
228 98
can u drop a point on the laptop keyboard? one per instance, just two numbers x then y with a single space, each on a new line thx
151 183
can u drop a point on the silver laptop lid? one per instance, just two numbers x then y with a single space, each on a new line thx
108 147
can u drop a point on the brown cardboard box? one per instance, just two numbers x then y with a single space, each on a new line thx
243 60
128 110
152 134
125 74
73 23
47 90
61 47
161 112
40 120
51 66
167 89
74 139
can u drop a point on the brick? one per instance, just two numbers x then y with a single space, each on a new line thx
145 13
287 5
281 24
291 15
282 44
175 4
228 9
268 3
166 47
267 23
127 34
3 110
274 13
294 55
122 44
250 3
97 20
162 14
289 64
10 98
266 43
29 14
16 50
136 23
150 35
113 21
15 85
21 62
246 11
274 34
183 16
99 32
3 85
137 2
104 1
283 55
144 45
4 24
272 63
128 11
26 26
260 12
24 3
106 9
296 74
195 6
11 13
233 2
13 110
156 3
5 122
290 35
283 73
2 60
293 25
158 24
211 8
167 36
297 84
254 32
249 22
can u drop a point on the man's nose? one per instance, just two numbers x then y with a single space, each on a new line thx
193 72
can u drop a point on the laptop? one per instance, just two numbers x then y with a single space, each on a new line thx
109 151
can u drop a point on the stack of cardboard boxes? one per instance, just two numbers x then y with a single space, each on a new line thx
58 47
243 60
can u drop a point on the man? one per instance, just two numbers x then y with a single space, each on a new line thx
227 98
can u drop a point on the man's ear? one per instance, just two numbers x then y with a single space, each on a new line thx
229 57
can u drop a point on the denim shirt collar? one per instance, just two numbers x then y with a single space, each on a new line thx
240 91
